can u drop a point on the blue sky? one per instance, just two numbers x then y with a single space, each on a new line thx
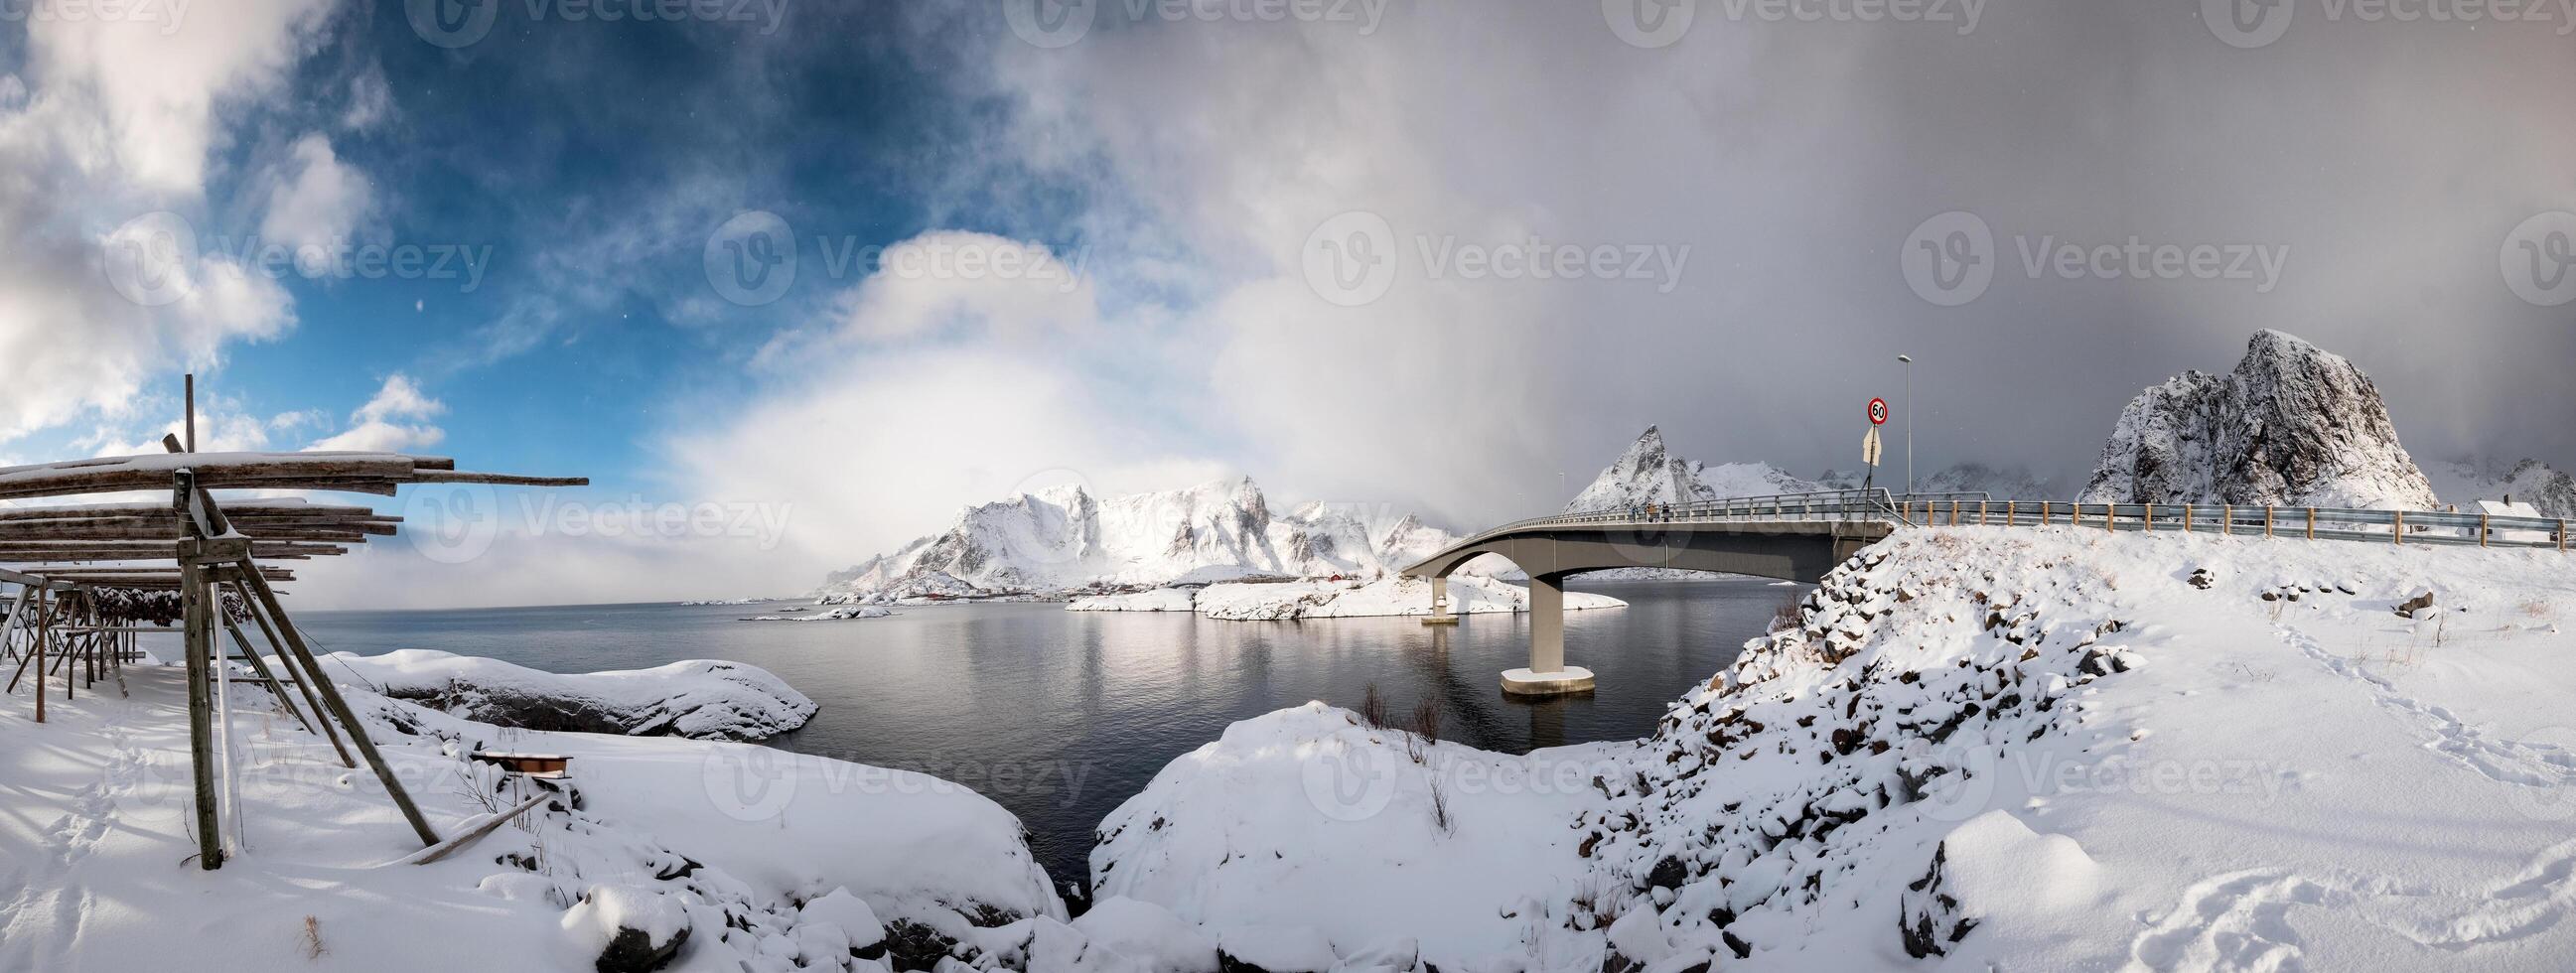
1586 229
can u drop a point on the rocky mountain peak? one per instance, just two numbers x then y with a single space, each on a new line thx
2292 425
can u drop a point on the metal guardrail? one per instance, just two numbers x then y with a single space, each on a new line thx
1973 509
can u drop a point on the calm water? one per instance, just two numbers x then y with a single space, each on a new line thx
1062 715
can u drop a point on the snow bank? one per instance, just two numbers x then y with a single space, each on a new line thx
1289 600
722 856
2016 749
841 614
1157 600
699 698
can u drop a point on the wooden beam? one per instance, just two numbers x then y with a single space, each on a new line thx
200 628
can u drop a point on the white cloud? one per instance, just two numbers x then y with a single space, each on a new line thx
314 200
950 279
110 122
394 421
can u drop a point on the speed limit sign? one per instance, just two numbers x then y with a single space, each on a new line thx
1878 412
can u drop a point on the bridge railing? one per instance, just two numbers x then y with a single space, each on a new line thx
2317 523
1972 508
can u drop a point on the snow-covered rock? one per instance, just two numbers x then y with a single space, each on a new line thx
1154 600
1997 749
1063 539
1650 474
2292 426
702 699
2548 491
842 614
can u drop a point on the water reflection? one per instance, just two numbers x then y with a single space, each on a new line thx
1062 715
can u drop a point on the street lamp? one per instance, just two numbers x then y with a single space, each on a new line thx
1908 362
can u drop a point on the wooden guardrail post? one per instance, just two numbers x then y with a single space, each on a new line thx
2012 513
2400 532
2482 530
2267 521
2227 520
2151 518
2562 537
2186 518
2312 523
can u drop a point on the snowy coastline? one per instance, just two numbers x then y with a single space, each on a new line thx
1287 601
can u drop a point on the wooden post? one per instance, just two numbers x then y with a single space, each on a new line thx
2400 532
2312 523
2482 530
2267 520
43 627
2151 518
2562 537
2012 513
1982 519
2186 518
2227 520
201 753
339 707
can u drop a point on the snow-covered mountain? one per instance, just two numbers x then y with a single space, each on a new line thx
2292 426
1648 473
1062 539
2000 482
2530 481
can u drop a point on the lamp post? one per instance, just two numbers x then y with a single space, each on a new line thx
1908 362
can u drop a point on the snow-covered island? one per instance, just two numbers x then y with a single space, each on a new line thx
1284 601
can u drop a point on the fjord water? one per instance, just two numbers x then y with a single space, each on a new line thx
1060 716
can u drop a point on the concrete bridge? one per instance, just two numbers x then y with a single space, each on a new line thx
1800 537
1796 537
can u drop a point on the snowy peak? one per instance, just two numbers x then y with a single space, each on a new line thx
1648 473
2547 490
2293 425
1063 539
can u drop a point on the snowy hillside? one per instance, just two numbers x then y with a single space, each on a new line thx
1976 749
1064 539
1650 474
2000 482
2531 481
2291 426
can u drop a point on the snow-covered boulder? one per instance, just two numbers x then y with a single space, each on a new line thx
2292 426
1156 600
703 699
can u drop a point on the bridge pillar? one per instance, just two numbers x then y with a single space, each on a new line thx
1547 675
1440 614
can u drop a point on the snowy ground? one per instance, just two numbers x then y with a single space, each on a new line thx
2024 749
1281 601
703 699
724 840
